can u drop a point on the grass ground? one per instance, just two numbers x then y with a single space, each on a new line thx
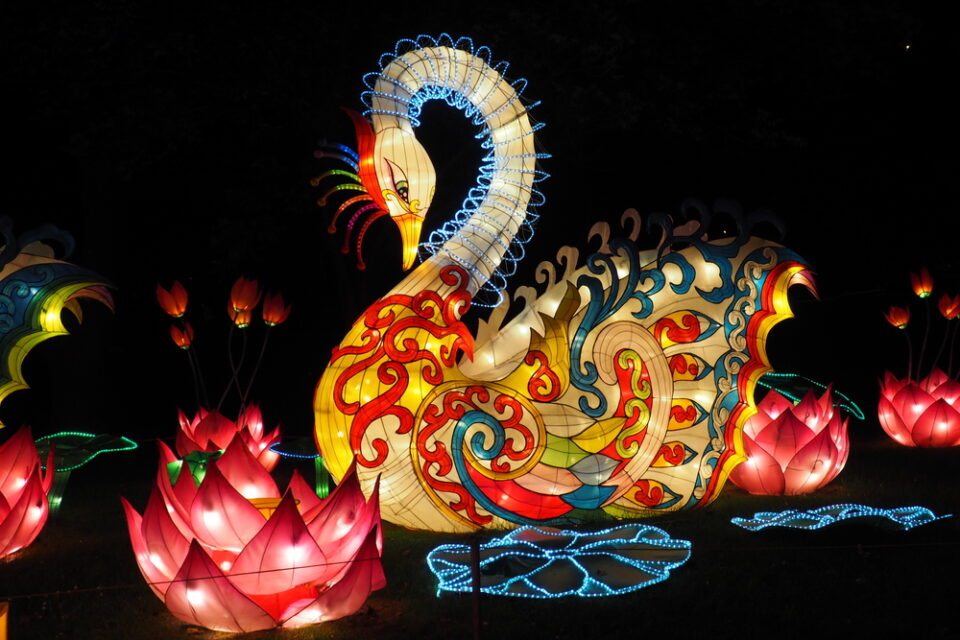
79 579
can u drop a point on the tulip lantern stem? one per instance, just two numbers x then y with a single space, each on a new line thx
926 333
909 356
235 366
256 368
199 388
953 342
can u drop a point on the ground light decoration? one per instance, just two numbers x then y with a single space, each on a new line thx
623 384
813 519
918 410
203 436
533 562
35 288
233 554
793 448
72 450
23 492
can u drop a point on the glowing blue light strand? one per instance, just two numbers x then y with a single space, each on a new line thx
905 517
646 552
438 87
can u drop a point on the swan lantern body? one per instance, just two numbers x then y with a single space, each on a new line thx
623 385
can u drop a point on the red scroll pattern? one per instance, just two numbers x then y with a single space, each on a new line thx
393 346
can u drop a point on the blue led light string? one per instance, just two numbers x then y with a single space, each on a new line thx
585 552
905 517
443 78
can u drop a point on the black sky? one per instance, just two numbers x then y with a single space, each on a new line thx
178 144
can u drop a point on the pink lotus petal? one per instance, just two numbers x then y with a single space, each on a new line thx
910 402
242 470
214 432
841 440
812 467
201 595
281 556
936 378
168 546
305 496
949 391
26 515
158 547
220 516
760 474
938 426
345 598
892 424
252 419
18 455
784 437
178 496
773 404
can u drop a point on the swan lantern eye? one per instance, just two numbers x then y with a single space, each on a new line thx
403 190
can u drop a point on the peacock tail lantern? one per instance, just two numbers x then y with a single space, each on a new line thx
622 385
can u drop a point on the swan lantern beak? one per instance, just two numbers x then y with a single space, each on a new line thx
410 225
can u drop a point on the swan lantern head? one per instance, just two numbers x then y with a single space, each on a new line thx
407 181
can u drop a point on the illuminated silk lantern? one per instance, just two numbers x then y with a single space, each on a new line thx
232 554
35 288
621 385
921 414
23 492
210 431
793 449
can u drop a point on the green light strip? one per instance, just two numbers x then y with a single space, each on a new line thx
79 434
840 399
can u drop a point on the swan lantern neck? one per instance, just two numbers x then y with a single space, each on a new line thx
481 235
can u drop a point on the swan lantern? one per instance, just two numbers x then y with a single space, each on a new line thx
622 385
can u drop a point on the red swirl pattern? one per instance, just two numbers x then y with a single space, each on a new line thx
393 357
544 384
687 331
436 461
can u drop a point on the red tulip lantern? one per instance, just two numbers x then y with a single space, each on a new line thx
23 492
792 449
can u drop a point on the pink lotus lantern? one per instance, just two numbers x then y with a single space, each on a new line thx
233 555
210 431
23 492
921 414
792 449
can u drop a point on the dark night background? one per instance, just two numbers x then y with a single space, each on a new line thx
178 144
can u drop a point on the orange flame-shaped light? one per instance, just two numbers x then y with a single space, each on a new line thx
183 338
898 316
949 306
174 301
244 295
922 284
241 318
274 310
